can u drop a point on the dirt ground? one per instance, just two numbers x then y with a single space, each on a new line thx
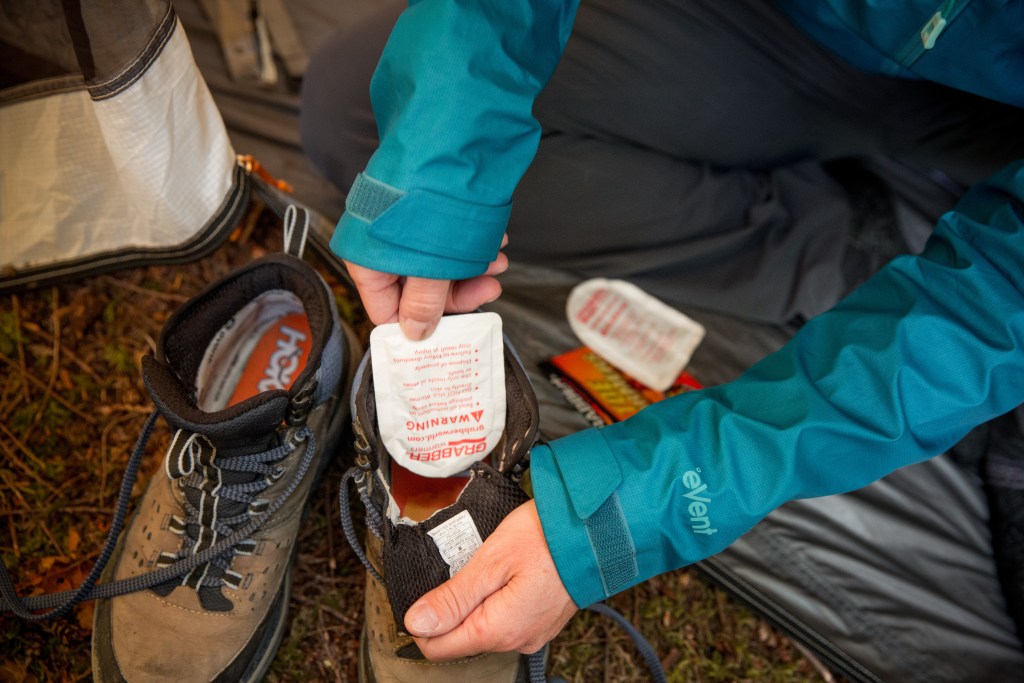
71 406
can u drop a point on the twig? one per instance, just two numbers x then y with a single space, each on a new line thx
65 352
57 397
242 235
125 408
56 546
103 453
7 408
21 347
826 675
54 508
150 342
720 599
15 489
166 296
17 461
332 561
308 602
14 537
330 660
69 482
54 362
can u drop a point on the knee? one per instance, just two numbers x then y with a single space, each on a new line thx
336 123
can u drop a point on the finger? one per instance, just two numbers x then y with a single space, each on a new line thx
498 266
422 303
469 295
504 622
444 608
378 291
474 635
504 241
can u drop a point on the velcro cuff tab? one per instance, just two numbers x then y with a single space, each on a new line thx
439 225
369 198
589 470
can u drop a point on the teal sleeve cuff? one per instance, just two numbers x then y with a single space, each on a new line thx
418 232
564 530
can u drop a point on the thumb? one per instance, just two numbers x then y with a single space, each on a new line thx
421 306
448 605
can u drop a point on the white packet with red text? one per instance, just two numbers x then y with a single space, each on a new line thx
632 330
440 401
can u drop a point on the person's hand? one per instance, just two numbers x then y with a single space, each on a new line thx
509 597
417 303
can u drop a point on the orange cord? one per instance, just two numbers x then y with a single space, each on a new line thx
251 165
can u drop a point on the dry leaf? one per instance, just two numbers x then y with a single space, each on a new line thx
84 613
74 538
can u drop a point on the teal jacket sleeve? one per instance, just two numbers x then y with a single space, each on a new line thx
453 95
897 372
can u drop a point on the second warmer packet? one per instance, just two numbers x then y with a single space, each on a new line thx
440 401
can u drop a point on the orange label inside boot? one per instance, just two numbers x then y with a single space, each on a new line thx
278 358
419 497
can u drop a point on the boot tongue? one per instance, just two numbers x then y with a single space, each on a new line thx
245 427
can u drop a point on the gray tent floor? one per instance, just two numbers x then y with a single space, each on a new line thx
893 582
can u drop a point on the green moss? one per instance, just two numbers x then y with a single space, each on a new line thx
10 333
120 359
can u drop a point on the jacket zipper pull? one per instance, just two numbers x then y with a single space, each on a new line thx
930 32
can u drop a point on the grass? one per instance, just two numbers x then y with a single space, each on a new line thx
71 406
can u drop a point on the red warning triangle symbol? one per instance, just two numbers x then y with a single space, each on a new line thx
477 414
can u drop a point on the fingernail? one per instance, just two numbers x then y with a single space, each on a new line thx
421 619
416 329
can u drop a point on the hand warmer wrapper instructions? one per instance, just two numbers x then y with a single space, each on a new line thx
632 330
440 401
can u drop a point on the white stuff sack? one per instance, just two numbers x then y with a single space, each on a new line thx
440 401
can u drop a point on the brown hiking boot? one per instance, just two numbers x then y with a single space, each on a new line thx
251 376
402 559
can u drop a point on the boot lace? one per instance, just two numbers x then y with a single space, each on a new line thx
218 495
228 534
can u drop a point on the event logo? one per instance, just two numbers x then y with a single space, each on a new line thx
700 523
